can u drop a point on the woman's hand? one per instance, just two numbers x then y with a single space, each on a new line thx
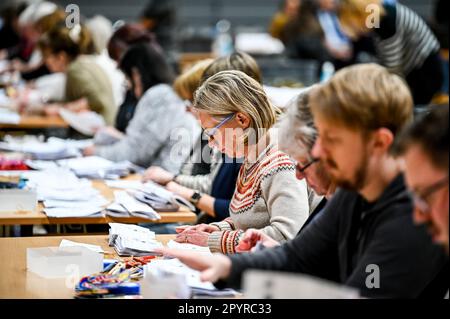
194 237
251 238
158 175
212 268
200 227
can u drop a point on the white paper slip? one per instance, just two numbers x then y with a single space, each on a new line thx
187 246
135 207
116 210
124 184
86 122
71 212
94 202
69 243
259 284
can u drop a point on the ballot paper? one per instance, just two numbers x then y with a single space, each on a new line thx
86 122
198 287
133 207
159 195
259 284
190 247
69 243
62 212
159 198
96 167
52 150
132 240
64 194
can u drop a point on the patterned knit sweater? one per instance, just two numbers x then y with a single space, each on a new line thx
269 197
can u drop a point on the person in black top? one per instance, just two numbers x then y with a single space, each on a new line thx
368 222
424 146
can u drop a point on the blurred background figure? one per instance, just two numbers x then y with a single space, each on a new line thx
158 17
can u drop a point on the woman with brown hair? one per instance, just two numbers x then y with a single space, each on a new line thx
88 87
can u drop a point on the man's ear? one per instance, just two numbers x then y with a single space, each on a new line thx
243 120
383 140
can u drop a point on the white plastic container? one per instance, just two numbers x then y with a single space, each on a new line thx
12 200
63 262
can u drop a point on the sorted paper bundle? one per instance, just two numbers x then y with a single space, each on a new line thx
96 167
132 240
160 198
126 205
65 195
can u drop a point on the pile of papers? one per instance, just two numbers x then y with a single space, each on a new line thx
159 198
64 194
52 149
126 205
198 287
86 122
132 240
96 167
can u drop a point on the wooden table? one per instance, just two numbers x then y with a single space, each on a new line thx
38 217
28 122
17 282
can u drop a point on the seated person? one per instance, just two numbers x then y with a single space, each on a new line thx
87 84
219 183
368 221
160 115
236 116
121 40
297 135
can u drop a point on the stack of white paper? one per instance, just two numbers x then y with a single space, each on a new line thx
53 149
65 195
96 167
132 240
159 198
198 287
87 122
126 205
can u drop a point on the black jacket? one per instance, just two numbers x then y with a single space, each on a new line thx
351 234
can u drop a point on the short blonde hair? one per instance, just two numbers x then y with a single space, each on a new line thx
230 92
186 84
364 97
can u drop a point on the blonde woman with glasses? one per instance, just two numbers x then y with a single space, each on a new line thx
236 115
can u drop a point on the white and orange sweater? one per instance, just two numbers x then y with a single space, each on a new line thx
269 197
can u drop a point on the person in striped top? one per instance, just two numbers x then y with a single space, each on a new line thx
236 116
404 43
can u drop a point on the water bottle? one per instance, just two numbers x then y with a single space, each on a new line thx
327 72
223 44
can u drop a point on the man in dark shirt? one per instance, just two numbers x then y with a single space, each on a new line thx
365 238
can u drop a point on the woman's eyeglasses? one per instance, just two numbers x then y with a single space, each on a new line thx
212 131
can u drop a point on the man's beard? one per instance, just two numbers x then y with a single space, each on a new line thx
360 176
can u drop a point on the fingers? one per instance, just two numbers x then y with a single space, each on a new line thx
181 229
